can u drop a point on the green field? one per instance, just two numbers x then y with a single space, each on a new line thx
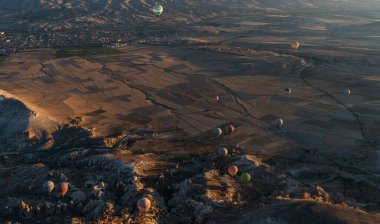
83 51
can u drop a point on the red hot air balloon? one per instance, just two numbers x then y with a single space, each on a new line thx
143 204
230 129
232 170
63 188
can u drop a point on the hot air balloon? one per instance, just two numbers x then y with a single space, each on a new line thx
217 132
347 92
232 170
278 122
48 186
222 151
245 178
143 204
158 9
288 90
63 188
230 129
295 45
217 98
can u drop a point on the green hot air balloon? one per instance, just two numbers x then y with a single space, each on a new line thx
158 9
245 178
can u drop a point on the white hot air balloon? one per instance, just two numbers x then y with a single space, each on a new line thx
278 122
217 132
222 151
158 9
347 92
288 90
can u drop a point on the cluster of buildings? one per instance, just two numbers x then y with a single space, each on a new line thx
14 41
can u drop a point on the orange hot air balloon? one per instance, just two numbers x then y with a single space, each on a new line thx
63 188
232 170
295 45
143 204
230 129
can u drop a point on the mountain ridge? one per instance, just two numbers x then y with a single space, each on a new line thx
77 13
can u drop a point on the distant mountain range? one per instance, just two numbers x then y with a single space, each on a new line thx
56 14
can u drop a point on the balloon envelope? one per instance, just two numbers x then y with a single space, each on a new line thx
158 9
222 151
278 122
143 204
295 45
288 90
245 177
217 132
230 129
63 188
232 170
347 92
48 186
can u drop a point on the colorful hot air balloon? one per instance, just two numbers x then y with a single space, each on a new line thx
217 132
158 9
63 188
347 92
295 45
288 90
222 151
143 204
278 122
232 170
48 186
230 129
245 178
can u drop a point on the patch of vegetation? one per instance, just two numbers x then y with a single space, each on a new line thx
83 51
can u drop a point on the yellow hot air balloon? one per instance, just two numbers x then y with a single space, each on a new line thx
295 45
48 186
217 132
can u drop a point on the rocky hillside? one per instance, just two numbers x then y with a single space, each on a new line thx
56 14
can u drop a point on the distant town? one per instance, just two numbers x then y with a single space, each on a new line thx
13 41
